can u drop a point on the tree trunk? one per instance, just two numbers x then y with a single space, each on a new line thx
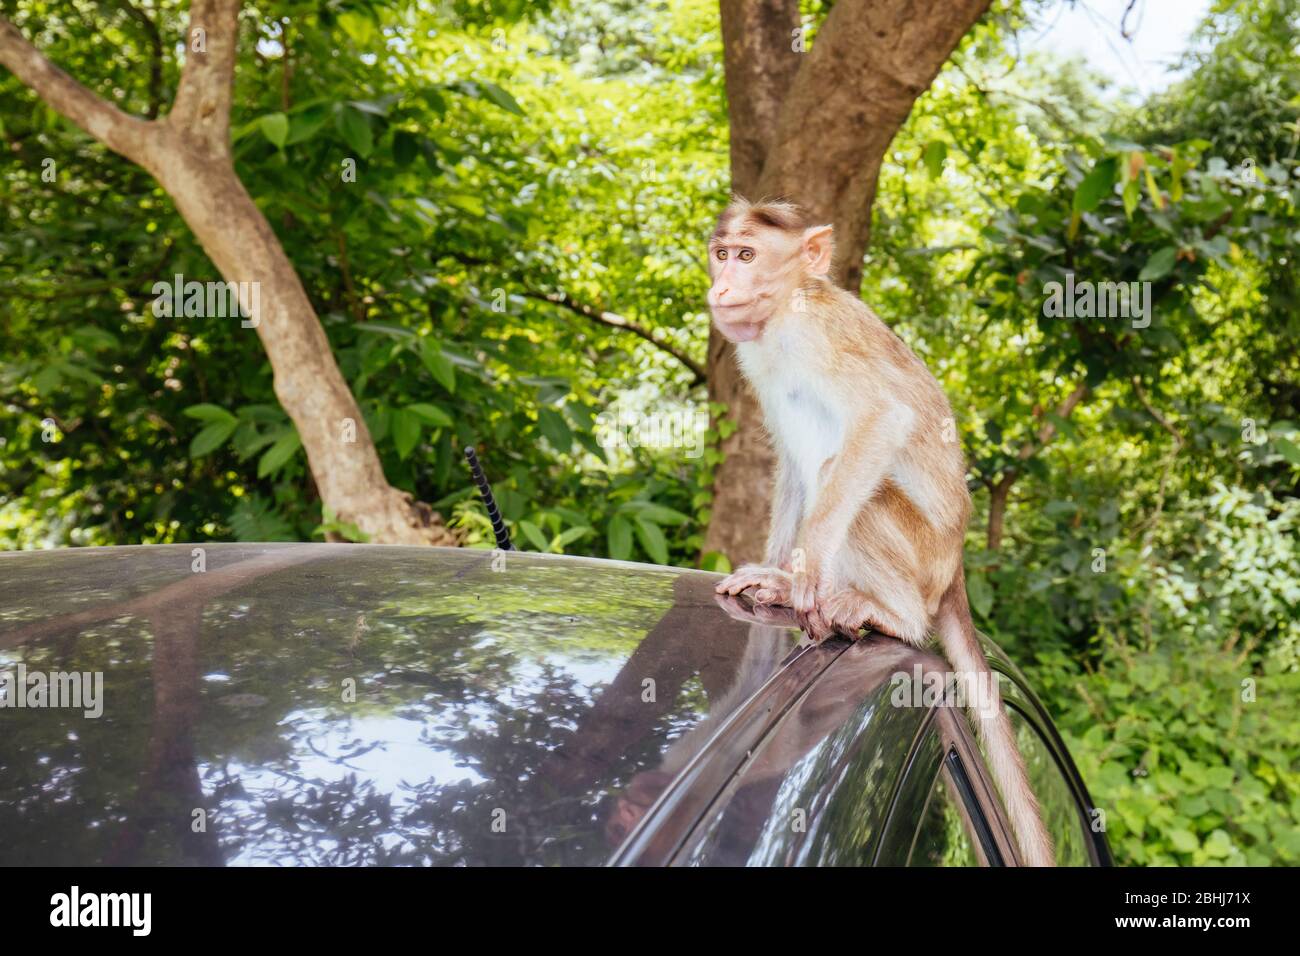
814 128
344 463
188 151
998 495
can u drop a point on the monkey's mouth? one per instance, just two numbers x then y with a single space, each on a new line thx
737 331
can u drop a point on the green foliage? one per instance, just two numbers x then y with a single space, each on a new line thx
405 188
1148 567
1190 754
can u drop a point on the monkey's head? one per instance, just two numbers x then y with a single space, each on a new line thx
760 255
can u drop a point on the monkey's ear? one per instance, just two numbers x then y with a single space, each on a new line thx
818 245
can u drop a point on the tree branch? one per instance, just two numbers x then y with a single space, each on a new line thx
129 285
1030 449
1154 413
1000 491
615 321
851 94
760 63
1057 116
611 319
121 132
202 108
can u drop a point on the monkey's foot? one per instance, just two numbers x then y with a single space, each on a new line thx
847 612
772 585
815 624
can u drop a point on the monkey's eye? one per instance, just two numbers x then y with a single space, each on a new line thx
746 255
721 254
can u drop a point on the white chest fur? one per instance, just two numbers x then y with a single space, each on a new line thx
806 423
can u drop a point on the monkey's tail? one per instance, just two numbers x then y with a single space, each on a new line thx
957 635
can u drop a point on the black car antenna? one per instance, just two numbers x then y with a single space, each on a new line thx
499 529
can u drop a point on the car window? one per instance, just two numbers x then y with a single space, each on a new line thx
943 837
1061 812
931 823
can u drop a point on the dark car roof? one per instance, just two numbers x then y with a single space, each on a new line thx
338 704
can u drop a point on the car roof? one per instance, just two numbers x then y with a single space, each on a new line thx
377 704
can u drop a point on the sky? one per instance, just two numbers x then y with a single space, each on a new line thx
1091 29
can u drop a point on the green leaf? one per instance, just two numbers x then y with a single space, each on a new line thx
266 414
715 561
359 25
405 148
439 366
275 127
255 519
659 514
1132 193
247 441
47 379
534 535
1159 265
305 125
212 437
1184 841
466 202
430 414
1288 450
555 428
619 538
652 539
501 98
1096 185
405 426
377 107
1218 844
354 126
434 99
980 593
933 156
383 328
1153 190
378 418
275 457
209 413
568 536
82 374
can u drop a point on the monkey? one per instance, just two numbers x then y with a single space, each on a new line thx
870 502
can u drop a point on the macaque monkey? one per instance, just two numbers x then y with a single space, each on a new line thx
870 502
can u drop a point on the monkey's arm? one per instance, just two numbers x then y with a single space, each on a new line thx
845 485
787 512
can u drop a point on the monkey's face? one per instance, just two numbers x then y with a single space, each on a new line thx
756 270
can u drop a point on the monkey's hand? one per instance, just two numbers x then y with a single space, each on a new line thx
772 585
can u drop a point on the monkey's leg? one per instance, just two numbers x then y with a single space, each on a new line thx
772 584
887 571
848 611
